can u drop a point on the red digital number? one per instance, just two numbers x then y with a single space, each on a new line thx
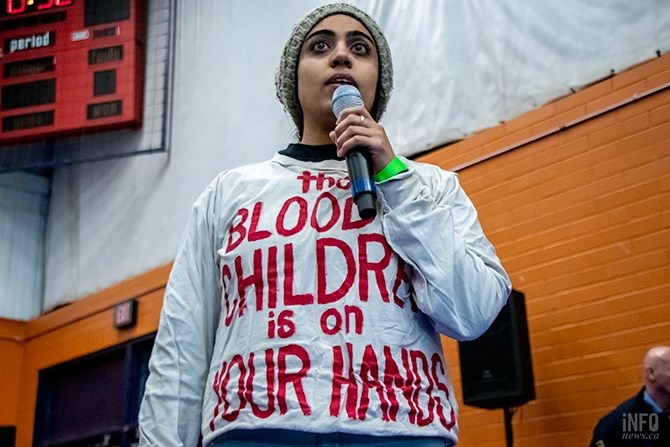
46 5
11 9
19 6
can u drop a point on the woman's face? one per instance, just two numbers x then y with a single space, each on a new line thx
338 50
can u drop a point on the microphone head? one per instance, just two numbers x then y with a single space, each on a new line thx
344 97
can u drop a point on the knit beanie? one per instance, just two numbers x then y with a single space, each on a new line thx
286 81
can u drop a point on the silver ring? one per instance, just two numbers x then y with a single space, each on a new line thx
362 120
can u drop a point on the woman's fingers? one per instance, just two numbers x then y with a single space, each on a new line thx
357 129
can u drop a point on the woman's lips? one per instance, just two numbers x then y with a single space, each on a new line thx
341 79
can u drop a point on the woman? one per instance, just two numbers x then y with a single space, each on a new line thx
287 319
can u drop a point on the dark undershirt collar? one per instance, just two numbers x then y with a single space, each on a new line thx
306 152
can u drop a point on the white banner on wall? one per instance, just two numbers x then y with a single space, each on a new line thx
460 66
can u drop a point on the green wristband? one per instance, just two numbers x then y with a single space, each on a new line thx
395 167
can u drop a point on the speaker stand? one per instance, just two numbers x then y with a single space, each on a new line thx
509 435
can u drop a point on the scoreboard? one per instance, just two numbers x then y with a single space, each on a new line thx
69 67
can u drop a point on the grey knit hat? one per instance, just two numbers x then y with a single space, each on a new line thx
286 80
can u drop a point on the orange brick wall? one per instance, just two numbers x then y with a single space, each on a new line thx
576 198
73 331
11 358
578 207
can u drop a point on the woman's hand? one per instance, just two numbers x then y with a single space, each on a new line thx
356 129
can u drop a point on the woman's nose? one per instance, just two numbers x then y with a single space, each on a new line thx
340 56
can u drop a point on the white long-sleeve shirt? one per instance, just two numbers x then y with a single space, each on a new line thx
285 310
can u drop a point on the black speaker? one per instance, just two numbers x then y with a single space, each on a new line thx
496 368
7 436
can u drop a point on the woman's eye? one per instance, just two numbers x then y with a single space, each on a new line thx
360 48
320 46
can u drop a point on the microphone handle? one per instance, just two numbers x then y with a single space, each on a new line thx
363 186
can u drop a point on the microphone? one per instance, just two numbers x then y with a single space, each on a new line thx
359 166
